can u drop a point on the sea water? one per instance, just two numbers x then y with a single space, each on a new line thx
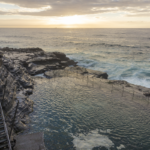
123 53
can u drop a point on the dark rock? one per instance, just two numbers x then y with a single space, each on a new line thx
38 69
64 63
98 74
61 56
43 60
68 63
28 91
147 94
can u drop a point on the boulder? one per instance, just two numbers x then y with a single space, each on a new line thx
61 56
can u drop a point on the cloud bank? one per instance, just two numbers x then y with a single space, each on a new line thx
76 7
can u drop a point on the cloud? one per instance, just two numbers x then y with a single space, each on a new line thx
23 9
77 7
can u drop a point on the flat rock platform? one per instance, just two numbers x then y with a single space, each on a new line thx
34 141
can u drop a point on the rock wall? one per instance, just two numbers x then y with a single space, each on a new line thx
14 88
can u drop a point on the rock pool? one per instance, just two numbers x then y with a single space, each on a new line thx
75 116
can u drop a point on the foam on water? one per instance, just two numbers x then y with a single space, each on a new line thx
120 147
91 140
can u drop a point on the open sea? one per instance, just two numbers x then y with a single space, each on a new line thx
123 53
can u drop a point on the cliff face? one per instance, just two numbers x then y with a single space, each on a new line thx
13 90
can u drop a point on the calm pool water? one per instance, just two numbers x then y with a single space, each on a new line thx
74 116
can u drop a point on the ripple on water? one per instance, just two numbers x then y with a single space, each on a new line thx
77 117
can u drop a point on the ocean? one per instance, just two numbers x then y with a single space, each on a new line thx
123 53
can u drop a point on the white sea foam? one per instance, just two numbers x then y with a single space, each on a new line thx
91 140
137 81
120 147
105 131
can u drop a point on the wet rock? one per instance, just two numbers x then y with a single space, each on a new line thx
28 91
19 126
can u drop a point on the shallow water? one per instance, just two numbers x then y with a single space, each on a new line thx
75 116
123 53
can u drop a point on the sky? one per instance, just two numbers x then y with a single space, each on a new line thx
75 13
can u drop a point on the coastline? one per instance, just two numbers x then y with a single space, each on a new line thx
19 65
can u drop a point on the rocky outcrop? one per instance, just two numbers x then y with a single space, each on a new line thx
76 70
35 62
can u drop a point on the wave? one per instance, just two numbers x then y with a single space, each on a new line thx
133 75
113 45
24 36
8 42
138 81
100 35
